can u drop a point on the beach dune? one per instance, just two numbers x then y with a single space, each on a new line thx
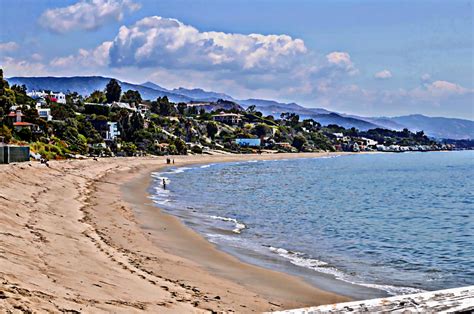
78 237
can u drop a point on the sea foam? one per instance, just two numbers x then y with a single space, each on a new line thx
239 226
299 259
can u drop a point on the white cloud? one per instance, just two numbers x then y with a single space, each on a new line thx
98 57
19 67
163 42
9 46
384 74
425 77
86 15
437 91
443 89
342 60
36 57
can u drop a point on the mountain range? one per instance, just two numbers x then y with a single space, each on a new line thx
436 127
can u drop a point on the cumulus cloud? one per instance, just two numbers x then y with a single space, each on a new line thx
342 60
383 75
86 15
9 46
98 57
20 67
163 42
443 88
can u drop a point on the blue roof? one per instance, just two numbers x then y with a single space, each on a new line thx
248 141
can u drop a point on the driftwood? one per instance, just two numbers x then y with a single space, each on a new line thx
458 300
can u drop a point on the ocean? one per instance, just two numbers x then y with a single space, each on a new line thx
364 225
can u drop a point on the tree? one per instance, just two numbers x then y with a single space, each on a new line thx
180 146
132 97
251 109
7 96
136 124
5 134
261 130
166 108
212 129
129 148
25 134
162 106
182 108
113 91
298 142
87 129
97 97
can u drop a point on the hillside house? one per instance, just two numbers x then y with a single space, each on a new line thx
58 97
248 142
15 119
113 131
228 118
45 113
143 109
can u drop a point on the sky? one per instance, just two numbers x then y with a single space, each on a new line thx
370 58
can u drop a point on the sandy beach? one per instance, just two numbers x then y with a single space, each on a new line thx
83 236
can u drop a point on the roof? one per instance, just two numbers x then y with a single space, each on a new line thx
22 124
14 114
222 114
248 141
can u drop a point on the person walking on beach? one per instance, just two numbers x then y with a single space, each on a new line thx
164 184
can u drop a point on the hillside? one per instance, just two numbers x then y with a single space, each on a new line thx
436 127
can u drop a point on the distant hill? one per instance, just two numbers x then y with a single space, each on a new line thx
154 86
201 95
220 104
323 116
85 85
436 127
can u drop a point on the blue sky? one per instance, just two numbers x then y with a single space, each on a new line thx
358 57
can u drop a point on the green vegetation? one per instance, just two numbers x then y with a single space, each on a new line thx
87 125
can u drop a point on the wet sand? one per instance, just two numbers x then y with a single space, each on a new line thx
83 236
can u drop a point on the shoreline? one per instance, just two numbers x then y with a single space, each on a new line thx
70 242
316 279
280 288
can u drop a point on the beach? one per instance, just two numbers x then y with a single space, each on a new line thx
83 236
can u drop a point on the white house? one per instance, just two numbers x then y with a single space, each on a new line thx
37 94
113 131
45 113
229 118
58 97
143 109
369 141
122 105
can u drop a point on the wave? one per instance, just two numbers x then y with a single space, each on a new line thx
299 259
205 166
239 226
327 157
179 170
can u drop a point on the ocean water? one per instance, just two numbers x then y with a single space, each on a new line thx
389 223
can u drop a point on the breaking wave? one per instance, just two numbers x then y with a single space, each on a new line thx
238 226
